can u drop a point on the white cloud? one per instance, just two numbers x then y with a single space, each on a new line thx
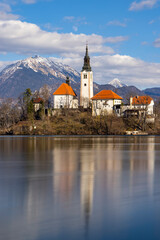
144 43
5 7
157 43
116 39
116 23
26 38
75 28
151 22
69 18
4 64
77 21
129 70
136 6
5 12
8 16
50 27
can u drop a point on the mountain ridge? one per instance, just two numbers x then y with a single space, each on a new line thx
35 72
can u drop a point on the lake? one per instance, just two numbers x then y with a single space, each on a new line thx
79 188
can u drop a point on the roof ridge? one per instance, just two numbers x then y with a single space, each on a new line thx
107 94
64 89
142 99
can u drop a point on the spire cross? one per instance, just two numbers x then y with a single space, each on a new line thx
87 48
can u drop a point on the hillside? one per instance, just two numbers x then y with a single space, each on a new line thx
125 92
153 92
33 73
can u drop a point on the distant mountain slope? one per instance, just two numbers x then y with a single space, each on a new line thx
117 83
153 92
36 71
124 92
33 73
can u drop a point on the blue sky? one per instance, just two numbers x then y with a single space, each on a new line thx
123 36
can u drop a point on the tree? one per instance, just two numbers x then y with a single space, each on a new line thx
45 94
9 113
26 104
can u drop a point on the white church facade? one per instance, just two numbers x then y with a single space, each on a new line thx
65 97
106 102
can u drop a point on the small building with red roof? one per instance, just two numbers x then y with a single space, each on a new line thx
140 106
142 102
37 103
106 102
65 97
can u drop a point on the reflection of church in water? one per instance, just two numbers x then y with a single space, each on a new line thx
74 172
74 178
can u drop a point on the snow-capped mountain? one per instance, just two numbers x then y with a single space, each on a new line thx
117 83
33 73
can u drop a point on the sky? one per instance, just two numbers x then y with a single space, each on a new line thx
123 36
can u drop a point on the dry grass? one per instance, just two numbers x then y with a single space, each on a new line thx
79 123
71 123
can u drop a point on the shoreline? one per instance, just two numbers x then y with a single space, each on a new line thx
80 124
78 136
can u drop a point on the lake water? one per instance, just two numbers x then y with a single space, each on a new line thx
80 188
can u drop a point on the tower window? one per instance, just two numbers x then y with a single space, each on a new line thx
85 76
85 84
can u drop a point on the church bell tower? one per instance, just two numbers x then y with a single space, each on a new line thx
86 92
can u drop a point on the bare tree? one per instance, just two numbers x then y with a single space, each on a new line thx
45 94
9 113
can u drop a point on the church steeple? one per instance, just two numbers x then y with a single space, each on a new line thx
86 92
86 66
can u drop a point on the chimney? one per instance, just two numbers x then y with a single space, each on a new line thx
68 80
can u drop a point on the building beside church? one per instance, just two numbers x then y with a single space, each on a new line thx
37 103
142 102
140 106
106 102
65 97
86 88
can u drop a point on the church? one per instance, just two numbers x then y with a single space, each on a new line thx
104 102
65 97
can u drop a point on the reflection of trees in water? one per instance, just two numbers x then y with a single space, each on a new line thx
74 176
87 171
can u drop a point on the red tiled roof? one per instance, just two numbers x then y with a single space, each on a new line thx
64 89
38 100
141 100
106 94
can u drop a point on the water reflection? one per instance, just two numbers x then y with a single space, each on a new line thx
79 188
